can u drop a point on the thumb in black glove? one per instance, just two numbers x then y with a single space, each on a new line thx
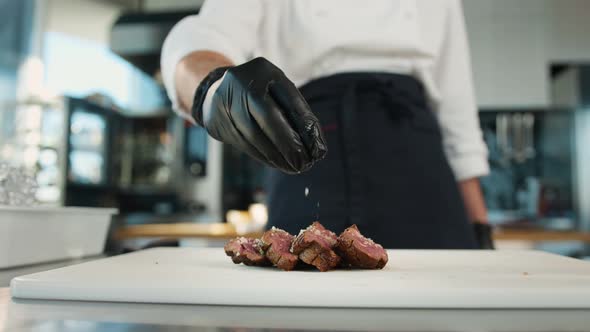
258 110
483 235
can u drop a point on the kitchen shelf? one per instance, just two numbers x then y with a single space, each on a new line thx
541 235
181 230
227 231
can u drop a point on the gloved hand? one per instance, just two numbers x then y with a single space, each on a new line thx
258 110
483 235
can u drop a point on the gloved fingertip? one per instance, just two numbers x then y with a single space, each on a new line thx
304 165
291 171
322 152
320 148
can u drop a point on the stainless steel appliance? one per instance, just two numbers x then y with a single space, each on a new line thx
571 90
540 161
212 178
84 153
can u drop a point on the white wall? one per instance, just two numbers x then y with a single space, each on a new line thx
171 5
569 25
513 43
87 19
507 40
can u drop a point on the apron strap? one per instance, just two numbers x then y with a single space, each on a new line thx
352 156
399 104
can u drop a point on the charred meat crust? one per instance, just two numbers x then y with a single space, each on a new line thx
314 245
277 244
360 252
246 250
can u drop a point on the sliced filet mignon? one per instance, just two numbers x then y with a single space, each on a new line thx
277 244
358 251
246 250
314 245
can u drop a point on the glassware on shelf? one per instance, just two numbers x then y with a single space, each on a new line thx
17 187
31 141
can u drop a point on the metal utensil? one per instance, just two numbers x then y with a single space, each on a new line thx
528 121
502 125
517 138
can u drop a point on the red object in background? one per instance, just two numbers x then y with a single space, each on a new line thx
329 127
544 205
552 201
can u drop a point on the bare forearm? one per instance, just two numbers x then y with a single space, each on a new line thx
473 199
191 70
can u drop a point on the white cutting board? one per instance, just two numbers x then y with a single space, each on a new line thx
411 279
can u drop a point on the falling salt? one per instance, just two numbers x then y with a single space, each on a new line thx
317 216
306 191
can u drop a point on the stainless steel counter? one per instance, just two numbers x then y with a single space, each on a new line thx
7 274
63 316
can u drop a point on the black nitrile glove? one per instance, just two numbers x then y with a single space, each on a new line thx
483 235
258 110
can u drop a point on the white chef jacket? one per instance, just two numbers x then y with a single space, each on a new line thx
309 39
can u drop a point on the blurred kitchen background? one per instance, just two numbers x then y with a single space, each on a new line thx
83 108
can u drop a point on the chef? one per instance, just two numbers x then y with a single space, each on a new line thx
364 111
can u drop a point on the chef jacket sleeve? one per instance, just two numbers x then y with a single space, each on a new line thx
229 27
456 110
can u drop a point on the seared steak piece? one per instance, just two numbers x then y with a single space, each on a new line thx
314 245
277 243
246 250
358 251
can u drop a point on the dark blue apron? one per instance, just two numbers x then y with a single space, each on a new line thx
385 169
